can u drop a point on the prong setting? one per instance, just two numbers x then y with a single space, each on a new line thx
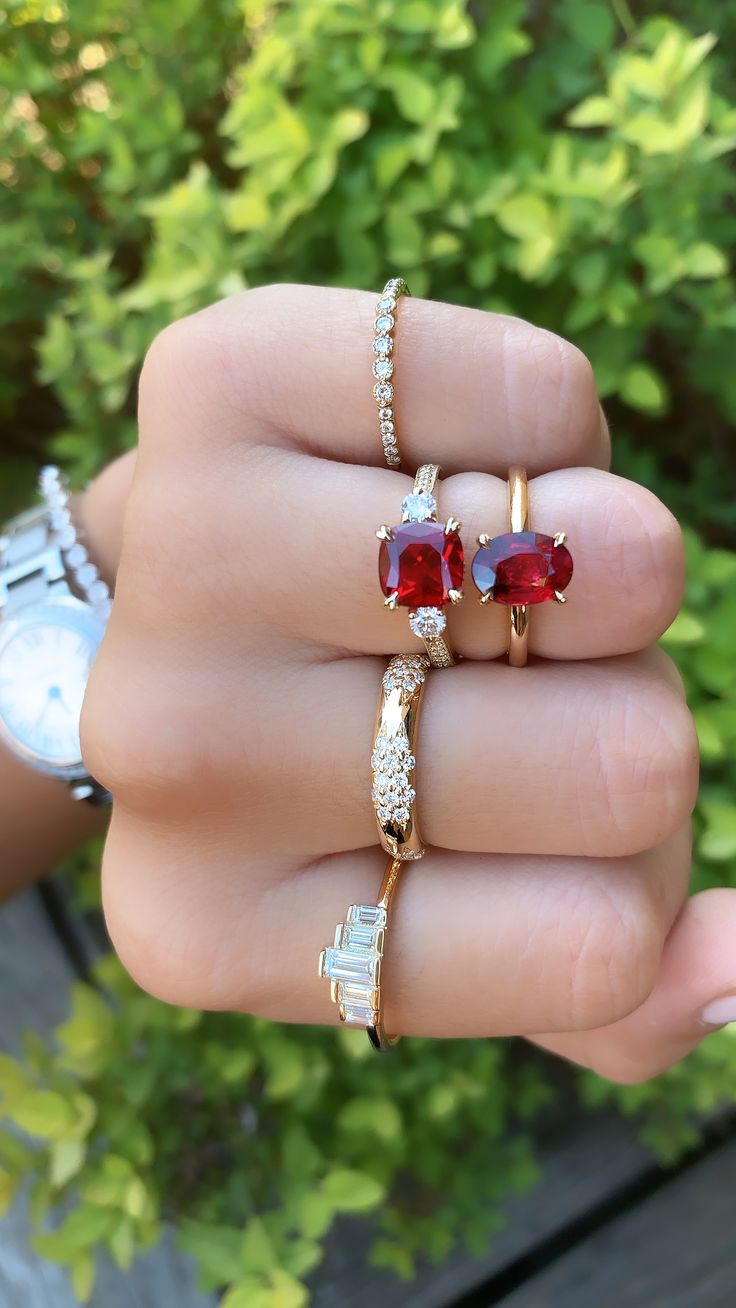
455 596
452 525
384 532
392 601
560 598
560 537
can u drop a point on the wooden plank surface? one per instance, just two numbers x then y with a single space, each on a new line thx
34 983
583 1159
676 1249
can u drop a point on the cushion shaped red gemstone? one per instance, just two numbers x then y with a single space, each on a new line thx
522 567
421 564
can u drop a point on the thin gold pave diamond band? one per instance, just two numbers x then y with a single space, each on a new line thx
383 366
393 760
421 563
354 963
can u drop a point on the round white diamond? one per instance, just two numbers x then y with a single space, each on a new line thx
384 392
86 575
401 815
76 556
382 368
383 345
419 506
386 304
427 622
59 518
384 323
383 813
385 415
383 781
387 429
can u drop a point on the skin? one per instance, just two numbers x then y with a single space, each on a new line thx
230 710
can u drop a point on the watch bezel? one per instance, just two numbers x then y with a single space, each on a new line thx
66 611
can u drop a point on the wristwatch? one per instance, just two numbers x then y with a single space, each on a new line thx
54 608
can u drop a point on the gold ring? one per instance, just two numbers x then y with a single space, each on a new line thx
521 567
393 760
353 964
383 366
421 563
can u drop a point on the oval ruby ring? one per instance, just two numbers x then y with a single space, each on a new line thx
421 563
521 567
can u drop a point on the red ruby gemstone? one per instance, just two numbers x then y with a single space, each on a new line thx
522 567
421 564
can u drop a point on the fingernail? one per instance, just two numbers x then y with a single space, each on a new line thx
719 1012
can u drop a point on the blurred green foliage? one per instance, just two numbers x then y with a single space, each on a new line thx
564 161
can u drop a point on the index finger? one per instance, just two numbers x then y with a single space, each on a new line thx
292 365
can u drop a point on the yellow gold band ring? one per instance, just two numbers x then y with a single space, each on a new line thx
521 567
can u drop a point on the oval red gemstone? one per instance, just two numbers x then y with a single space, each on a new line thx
421 564
522 567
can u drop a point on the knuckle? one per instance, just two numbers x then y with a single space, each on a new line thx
647 763
553 382
615 943
147 741
167 936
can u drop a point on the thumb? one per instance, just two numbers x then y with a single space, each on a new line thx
694 994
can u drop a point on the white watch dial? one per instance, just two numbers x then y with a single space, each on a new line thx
44 669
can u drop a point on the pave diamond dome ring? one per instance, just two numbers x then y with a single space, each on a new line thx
421 563
521 567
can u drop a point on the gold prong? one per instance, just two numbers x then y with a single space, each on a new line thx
451 525
487 598
392 600
384 532
455 596
560 537
561 599
484 539
322 960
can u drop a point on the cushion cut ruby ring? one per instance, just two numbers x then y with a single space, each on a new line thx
521 567
421 563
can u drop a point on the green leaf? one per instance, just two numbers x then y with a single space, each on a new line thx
66 1160
258 1253
217 1250
286 1291
352 1191
121 1244
687 629
643 389
596 111
82 1273
378 1117
524 215
415 97
705 260
8 1186
44 1113
591 22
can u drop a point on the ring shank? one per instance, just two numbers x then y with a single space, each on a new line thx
518 521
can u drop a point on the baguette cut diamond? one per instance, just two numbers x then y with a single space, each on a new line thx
367 915
353 964
349 965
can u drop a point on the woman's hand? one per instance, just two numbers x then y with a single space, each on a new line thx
231 709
